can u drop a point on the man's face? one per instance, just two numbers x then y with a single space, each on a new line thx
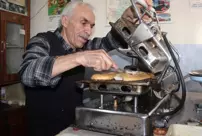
78 27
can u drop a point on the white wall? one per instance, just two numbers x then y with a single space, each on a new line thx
187 26
39 22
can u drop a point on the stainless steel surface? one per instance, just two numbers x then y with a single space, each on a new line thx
113 122
101 101
141 33
116 70
145 39
117 87
135 104
158 104
126 118
136 10
146 42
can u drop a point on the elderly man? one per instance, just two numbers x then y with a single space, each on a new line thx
54 61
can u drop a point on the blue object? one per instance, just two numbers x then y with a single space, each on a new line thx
196 78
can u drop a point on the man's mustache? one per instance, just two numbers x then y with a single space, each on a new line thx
85 36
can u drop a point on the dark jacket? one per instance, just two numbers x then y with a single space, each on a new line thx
52 109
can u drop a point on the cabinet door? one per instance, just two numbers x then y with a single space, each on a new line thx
17 122
14 37
1 55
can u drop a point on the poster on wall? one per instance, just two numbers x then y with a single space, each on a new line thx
195 5
162 8
17 6
115 8
55 8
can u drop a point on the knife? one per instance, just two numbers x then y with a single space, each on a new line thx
116 70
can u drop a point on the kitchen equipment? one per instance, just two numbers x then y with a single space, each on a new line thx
196 75
152 99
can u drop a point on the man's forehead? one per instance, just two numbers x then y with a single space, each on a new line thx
84 12
87 19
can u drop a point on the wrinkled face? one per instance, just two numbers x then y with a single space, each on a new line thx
78 27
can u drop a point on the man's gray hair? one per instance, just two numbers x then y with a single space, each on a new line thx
68 10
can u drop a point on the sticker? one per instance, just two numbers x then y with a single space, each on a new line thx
22 31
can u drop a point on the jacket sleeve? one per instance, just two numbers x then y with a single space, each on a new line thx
36 68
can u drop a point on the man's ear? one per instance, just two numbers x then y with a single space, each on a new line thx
65 21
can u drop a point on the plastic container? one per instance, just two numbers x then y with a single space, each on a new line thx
184 130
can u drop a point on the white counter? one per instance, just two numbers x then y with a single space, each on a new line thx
74 132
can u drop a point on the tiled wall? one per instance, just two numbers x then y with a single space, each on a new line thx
190 59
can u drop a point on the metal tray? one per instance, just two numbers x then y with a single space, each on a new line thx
113 122
134 88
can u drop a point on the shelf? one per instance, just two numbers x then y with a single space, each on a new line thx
15 47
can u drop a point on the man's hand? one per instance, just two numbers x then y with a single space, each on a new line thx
128 14
97 59
149 3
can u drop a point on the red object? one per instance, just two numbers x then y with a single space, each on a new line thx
75 129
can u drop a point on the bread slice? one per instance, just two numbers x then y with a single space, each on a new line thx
104 76
136 76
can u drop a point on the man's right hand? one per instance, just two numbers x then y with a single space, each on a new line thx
97 59
128 14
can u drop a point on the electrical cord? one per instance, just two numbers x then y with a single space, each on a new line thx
179 73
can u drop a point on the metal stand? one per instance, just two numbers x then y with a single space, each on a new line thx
135 104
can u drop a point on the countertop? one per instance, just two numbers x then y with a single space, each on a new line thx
70 131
